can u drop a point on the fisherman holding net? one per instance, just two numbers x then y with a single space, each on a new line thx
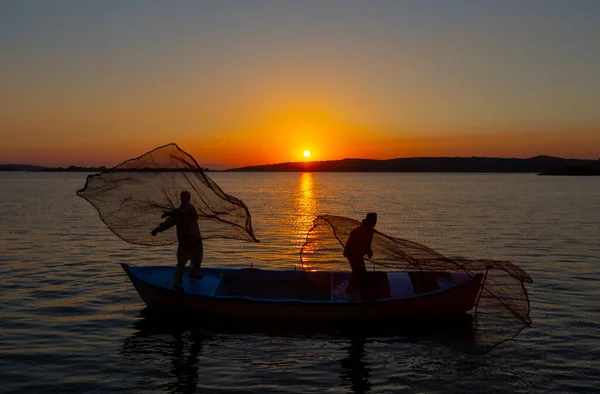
357 246
188 234
133 194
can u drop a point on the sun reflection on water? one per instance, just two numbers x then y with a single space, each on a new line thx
306 206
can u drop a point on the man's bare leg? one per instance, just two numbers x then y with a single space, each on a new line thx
196 258
182 258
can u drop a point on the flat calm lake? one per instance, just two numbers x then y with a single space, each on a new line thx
70 320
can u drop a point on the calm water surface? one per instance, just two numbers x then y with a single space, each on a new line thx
70 321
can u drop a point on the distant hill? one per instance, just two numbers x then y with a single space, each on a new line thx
73 169
429 164
23 167
547 165
19 167
215 166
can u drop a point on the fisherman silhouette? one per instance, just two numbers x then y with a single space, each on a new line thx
188 234
357 246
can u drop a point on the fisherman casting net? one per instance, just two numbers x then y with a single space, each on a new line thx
132 196
502 306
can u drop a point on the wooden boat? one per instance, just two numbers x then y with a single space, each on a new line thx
274 294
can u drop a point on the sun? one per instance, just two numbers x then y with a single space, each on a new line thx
307 153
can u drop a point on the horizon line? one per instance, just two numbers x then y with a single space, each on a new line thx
228 166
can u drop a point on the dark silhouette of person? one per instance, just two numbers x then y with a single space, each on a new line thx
354 367
357 246
188 234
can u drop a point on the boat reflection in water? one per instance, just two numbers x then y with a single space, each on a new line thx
233 347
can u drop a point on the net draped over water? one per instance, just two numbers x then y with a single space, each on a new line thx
502 307
132 196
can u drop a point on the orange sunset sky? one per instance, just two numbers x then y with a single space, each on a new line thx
245 83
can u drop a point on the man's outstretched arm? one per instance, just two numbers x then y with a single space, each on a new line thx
167 224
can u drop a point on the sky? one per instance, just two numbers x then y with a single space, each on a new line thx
255 82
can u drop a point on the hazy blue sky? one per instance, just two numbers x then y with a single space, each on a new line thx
85 76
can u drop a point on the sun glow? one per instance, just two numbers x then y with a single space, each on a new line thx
307 154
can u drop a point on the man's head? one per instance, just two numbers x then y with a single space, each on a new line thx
185 197
371 219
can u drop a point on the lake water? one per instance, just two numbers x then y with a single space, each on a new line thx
70 321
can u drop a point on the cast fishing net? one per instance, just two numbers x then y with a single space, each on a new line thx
502 306
132 196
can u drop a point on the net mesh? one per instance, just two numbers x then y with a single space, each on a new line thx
131 197
502 308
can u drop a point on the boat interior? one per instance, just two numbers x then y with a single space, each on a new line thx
275 285
325 286
304 285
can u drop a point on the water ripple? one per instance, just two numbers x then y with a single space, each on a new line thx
71 321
